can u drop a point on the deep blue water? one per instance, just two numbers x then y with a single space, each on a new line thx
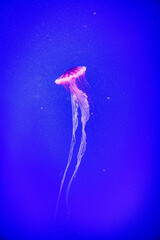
115 194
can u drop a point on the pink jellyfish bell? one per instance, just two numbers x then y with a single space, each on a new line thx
72 79
71 75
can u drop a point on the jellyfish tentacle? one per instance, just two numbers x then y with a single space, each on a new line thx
75 105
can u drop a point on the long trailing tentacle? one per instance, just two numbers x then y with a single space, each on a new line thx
75 105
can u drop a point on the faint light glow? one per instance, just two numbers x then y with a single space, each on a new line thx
104 170
108 98
94 13
41 108
84 26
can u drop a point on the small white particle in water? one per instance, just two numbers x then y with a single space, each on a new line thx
104 170
41 108
108 98
94 13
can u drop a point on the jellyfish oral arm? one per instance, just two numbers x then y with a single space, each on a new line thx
79 157
74 103
84 106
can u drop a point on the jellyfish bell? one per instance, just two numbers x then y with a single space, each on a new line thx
75 83
71 75
78 99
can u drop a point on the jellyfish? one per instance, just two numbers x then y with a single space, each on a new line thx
73 80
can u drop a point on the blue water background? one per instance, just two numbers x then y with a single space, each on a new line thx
115 193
